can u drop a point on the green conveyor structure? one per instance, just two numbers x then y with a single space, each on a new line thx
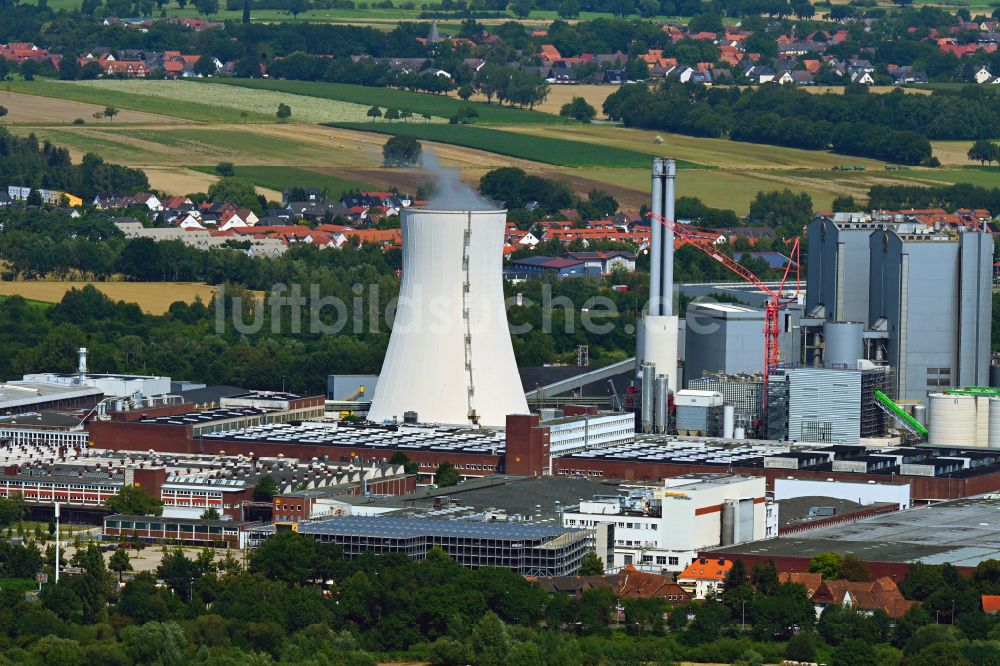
895 410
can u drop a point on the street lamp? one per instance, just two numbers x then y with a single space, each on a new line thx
57 543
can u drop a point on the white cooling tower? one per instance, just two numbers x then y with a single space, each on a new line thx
450 358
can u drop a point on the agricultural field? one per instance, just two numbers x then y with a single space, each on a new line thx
721 153
537 147
279 179
969 175
152 297
261 103
28 109
74 91
562 94
439 106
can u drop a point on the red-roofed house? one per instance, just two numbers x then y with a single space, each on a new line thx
991 603
881 594
705 577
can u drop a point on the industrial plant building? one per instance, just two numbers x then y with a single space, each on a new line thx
837 404
919 297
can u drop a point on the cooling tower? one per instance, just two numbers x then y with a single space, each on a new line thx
450 358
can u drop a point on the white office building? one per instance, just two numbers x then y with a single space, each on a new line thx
662 528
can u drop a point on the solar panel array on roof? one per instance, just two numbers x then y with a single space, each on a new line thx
437 439
685 452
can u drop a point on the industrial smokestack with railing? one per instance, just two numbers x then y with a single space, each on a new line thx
656 338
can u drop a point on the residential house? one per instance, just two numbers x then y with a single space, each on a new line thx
605 262
990 603
561 267
148 200
810 581
880 594
629 583
982 75
705 577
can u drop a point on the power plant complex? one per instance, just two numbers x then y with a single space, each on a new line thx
872 382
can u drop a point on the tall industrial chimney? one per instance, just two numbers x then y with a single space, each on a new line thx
656 339
81 368
450 357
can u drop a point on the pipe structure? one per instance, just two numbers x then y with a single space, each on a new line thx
656 241
669 169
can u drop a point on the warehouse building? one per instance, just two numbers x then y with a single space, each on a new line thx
962 532
934 474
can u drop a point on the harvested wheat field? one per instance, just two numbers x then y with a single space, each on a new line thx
563 94
43 110
152 297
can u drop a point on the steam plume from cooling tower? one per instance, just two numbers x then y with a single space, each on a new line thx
450 193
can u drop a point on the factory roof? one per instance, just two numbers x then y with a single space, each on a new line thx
412 528
524 495
415 438
687 451
211 394
962 532
21 392
40 419
207 416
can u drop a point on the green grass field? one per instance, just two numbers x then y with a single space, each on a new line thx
970 175
194 111
434 105
261 103
721 153
535 148
281 178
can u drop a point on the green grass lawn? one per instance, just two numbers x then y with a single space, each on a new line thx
282 178
147 103
105 144
535 148
433 105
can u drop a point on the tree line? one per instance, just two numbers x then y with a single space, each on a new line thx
894 127
27 163
295 600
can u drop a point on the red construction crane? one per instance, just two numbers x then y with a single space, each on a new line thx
776 300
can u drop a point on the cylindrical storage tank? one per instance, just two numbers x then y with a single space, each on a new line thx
450 357
952 420
994 436
842 343
648 401
660 400
728 421
728 523
920 414
739 432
